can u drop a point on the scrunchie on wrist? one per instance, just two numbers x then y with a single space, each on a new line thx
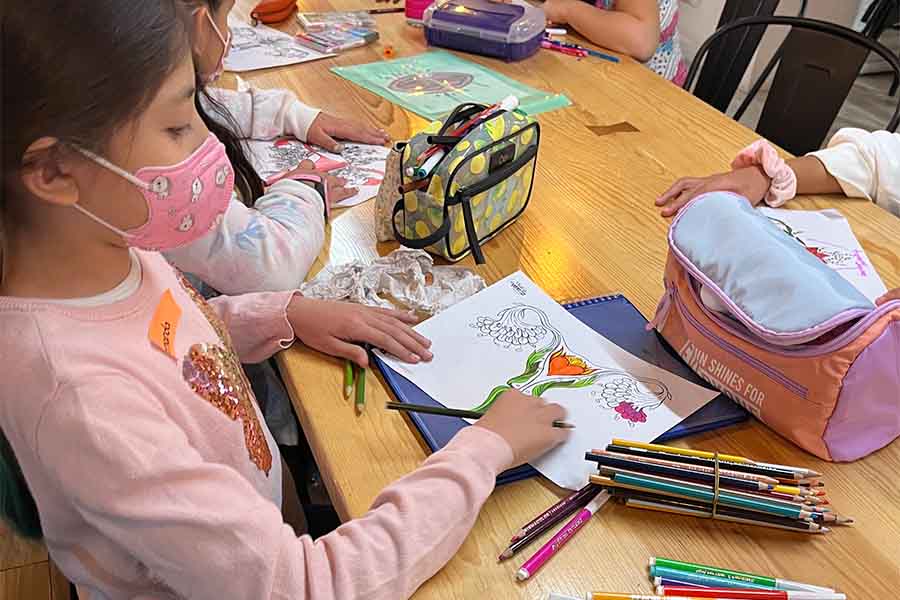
783 180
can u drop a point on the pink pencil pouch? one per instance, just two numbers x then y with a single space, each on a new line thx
771 326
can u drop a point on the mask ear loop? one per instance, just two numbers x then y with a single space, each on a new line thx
226 40
118 171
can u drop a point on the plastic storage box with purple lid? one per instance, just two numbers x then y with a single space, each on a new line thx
510 31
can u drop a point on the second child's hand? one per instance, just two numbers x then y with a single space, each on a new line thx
340 329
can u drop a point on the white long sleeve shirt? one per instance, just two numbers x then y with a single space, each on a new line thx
866 164
271 246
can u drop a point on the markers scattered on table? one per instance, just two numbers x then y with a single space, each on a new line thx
548 550
691 581
572 49
670 480
452 412
555 31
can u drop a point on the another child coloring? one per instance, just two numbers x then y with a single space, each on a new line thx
123 400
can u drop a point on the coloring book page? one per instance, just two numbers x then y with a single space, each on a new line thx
827 235
262 47
512 335
362 165
433 83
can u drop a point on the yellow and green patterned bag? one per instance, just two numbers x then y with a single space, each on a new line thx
481 185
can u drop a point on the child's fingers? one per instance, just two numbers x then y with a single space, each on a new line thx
399 315
891 295
686 196
405 336
329 143
352 352
338 194
420 339
388 342
677 188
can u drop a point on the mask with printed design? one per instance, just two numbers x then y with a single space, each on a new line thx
184 201
226 46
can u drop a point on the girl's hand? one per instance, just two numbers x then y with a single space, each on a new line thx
526 423
337 186
327 127
338 329
752 183
557 11
893 294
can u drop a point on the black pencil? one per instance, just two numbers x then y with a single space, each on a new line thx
452 412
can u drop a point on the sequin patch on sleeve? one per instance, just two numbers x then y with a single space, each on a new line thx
216 376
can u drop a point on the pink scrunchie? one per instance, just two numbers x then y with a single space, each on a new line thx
783 184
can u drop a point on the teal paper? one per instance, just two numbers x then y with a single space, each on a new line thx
434 83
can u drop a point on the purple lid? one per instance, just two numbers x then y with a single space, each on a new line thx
483 14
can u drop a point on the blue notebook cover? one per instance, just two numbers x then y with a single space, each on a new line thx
616 319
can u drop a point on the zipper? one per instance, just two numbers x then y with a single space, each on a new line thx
662 310
774 375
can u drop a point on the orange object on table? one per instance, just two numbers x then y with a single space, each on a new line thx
273 11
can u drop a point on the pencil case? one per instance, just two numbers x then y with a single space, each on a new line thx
478 188
273 11
771 326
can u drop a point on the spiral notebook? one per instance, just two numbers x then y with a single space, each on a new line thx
613 317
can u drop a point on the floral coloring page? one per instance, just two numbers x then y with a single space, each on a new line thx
827 235
512 335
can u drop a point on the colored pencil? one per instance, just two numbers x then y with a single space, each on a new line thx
587 51
763 581
360 390
679 489
712 455
692 467
453 412
548 519
675 508
548 550
348 378
780 474
686 474
736 594
551 512
616 596
725 513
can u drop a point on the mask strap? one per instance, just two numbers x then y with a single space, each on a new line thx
222 38
100 221
118 171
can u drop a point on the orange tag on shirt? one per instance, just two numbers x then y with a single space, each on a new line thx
165 324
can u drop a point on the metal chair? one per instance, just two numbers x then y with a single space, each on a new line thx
816 66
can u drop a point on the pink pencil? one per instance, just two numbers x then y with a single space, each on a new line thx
540 557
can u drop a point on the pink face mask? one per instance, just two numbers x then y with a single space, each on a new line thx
226 45
184 201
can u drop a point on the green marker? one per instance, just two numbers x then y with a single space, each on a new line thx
771 583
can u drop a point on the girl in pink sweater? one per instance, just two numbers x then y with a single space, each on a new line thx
122 399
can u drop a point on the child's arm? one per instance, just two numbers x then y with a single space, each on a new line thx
632 28
269 247
857 163
266 114
201 529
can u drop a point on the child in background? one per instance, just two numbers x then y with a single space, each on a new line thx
856 163
646 30
122 396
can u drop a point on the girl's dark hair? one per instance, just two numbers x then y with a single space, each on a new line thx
219 121
77 72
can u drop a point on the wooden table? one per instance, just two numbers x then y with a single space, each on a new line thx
591 229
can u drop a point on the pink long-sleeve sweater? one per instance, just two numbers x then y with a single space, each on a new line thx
154 473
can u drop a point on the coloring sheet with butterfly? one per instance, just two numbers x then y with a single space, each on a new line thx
512 335
827 235
362 165
262 47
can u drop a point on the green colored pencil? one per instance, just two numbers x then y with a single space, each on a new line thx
348 378
360 390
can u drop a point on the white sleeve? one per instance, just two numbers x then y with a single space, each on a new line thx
266 114
866 164
267 248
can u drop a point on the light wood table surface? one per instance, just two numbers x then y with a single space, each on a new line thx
591 229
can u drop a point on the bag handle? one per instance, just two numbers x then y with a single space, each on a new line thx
419 243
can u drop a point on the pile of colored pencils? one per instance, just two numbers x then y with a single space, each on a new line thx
711 485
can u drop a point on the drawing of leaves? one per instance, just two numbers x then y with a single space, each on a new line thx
532 367
495 393
539 389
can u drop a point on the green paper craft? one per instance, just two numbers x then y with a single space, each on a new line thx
434 83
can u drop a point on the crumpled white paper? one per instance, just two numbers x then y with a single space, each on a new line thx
405 279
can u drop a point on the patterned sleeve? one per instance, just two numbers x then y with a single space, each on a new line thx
266 114
269 247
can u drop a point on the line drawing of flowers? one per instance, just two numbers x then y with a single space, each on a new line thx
555 365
